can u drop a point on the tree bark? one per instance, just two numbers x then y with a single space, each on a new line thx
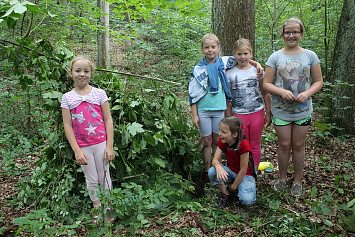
103 37
231 20
343 70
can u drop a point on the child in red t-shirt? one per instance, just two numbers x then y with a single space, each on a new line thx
238 171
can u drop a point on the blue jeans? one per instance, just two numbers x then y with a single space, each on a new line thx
246 189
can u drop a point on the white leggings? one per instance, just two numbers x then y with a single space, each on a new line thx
97 173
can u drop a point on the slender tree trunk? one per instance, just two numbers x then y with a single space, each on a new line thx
103 39
231 20
325 39
343 70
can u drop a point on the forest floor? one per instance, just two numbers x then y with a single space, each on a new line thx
325 166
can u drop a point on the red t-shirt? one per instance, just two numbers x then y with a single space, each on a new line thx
233 157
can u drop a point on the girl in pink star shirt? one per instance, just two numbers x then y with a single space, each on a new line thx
89 128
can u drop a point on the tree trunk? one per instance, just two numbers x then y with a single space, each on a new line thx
343 70
231 20
103 39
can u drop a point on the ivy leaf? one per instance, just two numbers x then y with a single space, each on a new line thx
135 128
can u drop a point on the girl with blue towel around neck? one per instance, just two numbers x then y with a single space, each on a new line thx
209 93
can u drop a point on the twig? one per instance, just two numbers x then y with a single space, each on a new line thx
201 225
140 76
336 188
28 48
133 176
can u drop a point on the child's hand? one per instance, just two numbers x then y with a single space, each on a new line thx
302 97
196 121
260 70
267 119
287 95
222 174
81 157
109 154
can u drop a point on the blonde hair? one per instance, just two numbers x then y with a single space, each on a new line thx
77 58
209 36
292 20
243 44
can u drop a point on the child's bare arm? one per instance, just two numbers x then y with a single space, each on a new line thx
258 66
317 84
267 102
244 160
195 118
222 175
109 152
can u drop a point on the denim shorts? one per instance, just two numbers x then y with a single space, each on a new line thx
246 189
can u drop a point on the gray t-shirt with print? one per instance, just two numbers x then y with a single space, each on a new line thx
292 73
246 95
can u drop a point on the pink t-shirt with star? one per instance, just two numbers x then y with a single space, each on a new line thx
87 117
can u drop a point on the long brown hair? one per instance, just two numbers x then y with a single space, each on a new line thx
235 126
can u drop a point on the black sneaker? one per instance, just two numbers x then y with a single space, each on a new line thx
223 200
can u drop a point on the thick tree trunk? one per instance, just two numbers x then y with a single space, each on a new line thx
103 39
343 70
231 20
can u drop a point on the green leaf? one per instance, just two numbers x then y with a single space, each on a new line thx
20 8
135 128
17 98
140 217
52 95
164 199
51 15
314 192
150 140
134 104
337 179
116 107
351 203
159 162
8 12
327 222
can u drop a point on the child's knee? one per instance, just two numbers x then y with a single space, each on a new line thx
212 172
248 201
247 196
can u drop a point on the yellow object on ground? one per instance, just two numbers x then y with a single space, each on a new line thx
267 166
